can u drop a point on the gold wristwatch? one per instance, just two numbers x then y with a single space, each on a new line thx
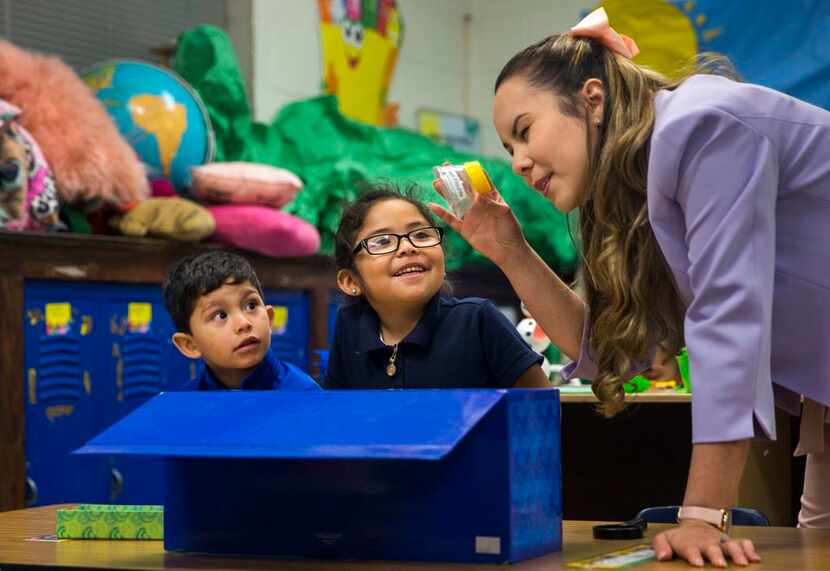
721 519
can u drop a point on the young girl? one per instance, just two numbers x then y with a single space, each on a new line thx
400 330
704 209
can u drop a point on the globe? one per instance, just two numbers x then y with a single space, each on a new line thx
158 113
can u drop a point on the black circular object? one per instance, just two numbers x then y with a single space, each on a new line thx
628 530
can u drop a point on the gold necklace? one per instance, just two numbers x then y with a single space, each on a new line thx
391 368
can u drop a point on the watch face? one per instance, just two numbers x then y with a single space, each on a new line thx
726 521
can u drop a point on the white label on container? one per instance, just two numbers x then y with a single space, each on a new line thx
453 185
486 545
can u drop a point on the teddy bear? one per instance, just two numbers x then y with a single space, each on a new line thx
28 200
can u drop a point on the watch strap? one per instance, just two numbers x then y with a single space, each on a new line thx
716 517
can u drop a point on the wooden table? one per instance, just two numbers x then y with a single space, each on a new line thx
665 397
781 548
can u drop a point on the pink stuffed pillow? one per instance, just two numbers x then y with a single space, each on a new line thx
249 183
264 230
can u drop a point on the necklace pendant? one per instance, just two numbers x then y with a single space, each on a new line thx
391 369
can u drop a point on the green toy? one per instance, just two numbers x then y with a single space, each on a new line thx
636 384
683 367
641 384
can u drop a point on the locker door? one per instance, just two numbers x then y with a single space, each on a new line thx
290 335
61 343
137 341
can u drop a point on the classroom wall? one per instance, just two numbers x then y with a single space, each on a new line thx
286 56
285 52
500 30
452 52
239 23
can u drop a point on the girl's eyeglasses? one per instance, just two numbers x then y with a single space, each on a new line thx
388 243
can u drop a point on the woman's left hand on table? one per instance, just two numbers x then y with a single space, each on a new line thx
698 541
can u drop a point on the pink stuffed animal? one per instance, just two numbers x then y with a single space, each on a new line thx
28 200
90 160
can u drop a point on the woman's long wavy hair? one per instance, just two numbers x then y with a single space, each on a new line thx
629 288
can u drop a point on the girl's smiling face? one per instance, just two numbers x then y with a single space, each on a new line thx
409 276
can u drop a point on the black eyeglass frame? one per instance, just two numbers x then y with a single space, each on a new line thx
362 244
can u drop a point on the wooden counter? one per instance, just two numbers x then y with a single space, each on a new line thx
781 549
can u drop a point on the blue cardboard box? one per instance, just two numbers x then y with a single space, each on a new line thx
439 475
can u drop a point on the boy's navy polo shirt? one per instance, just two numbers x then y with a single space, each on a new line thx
458 343
270 375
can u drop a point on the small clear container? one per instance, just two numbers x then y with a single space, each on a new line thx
459 182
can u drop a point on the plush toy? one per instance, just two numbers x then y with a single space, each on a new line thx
244 199
536 338
245 183
90 160
264 230
171 218
28 200
13 179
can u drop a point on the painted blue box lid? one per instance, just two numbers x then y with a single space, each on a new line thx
447 475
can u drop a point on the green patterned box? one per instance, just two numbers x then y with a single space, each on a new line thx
104 521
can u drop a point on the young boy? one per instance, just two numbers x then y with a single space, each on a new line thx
216 303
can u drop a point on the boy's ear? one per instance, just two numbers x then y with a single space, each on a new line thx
270 310
348 283
186 345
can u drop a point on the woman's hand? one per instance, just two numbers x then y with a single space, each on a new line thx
489 226
694 541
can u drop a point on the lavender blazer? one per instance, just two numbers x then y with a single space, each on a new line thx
739 200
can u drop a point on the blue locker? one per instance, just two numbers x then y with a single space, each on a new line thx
290 336
178 370
107 350
136 333
61 373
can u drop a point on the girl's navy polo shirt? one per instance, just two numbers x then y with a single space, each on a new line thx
458 343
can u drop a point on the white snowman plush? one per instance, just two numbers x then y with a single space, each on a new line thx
536 338
533 335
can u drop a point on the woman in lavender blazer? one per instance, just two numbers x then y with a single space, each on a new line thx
704 211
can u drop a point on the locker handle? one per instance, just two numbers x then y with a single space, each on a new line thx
32 386
116 483
30 497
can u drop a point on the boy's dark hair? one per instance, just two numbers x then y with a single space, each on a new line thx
194 276
354 215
